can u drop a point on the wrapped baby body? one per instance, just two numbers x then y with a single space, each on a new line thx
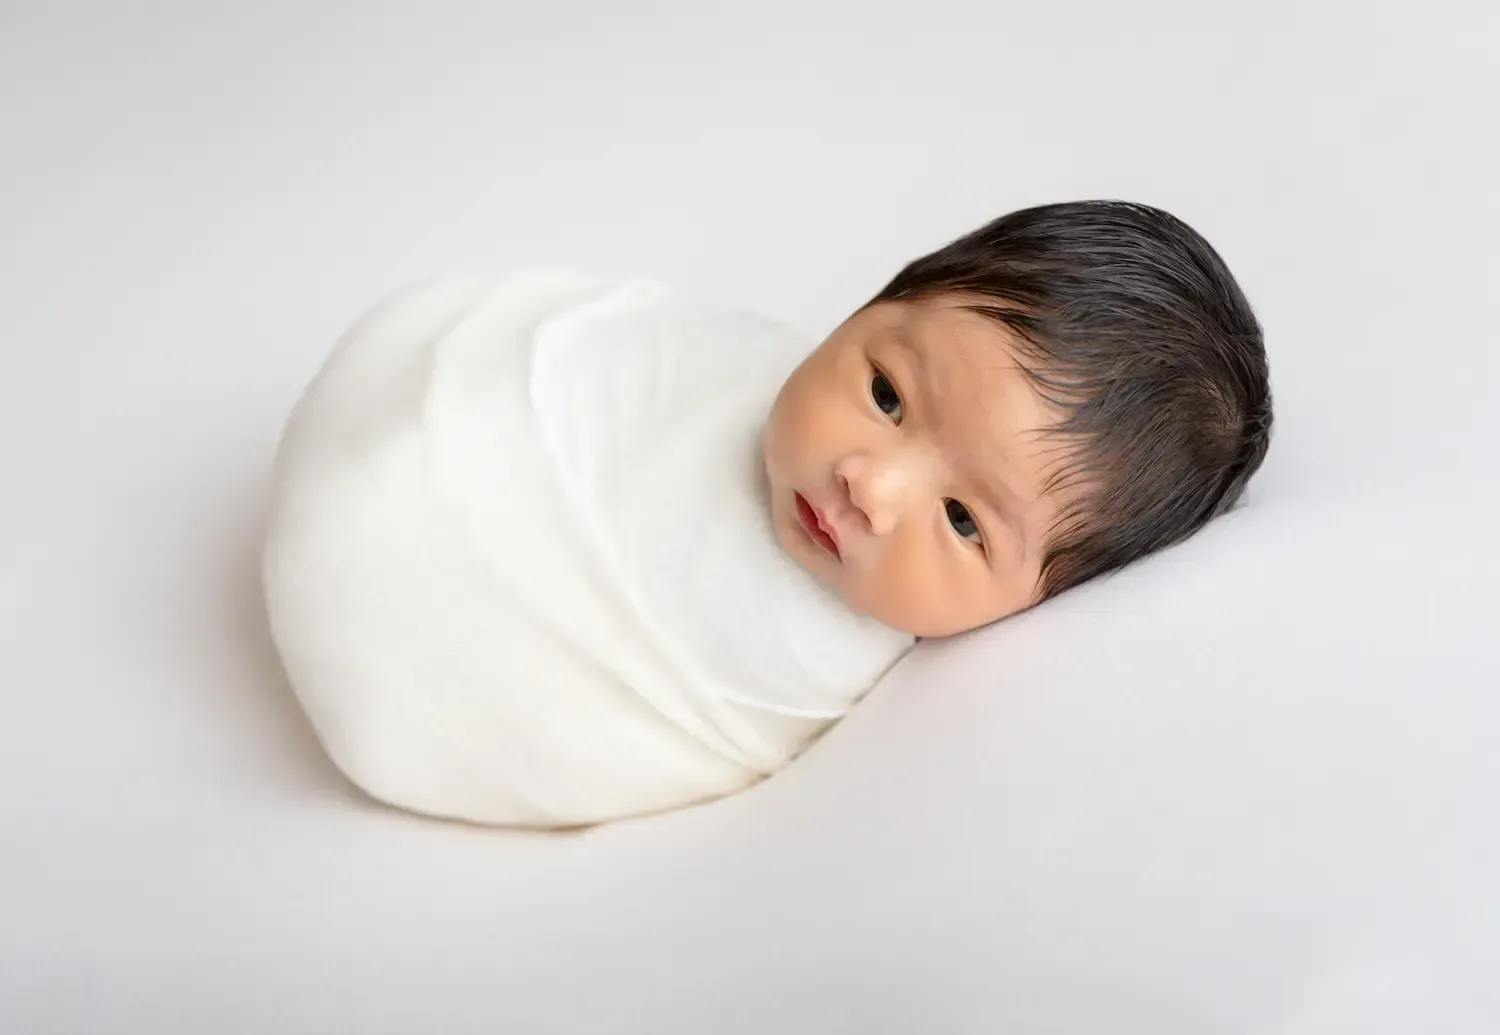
520 567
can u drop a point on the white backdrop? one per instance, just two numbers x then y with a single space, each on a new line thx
1248 787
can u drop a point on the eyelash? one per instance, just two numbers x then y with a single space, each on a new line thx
878 381
956 512
963 514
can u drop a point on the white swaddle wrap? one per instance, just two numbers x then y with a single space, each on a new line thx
520 567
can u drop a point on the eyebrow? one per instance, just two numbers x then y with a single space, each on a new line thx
1002 503
991 489
903 340
916 361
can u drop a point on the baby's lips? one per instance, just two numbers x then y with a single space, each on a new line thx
827 526
817 524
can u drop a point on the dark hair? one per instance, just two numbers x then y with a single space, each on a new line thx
1133 325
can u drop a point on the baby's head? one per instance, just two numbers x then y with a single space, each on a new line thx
1042 401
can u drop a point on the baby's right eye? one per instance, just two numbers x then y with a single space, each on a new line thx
887 399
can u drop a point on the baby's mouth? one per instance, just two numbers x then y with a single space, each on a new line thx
814 525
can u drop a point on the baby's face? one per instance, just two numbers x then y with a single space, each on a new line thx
907 468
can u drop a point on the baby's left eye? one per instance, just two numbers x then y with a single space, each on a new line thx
962 521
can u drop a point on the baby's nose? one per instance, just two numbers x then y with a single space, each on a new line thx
879 487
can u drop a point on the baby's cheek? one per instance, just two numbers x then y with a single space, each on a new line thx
793 433
899 590
779 437
925 593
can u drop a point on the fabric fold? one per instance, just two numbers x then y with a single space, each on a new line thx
520 568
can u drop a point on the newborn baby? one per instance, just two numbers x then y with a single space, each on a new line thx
548 551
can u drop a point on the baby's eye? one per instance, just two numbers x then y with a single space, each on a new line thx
962 521
885 396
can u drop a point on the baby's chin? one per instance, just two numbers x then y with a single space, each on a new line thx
812 559
808 555
795 543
